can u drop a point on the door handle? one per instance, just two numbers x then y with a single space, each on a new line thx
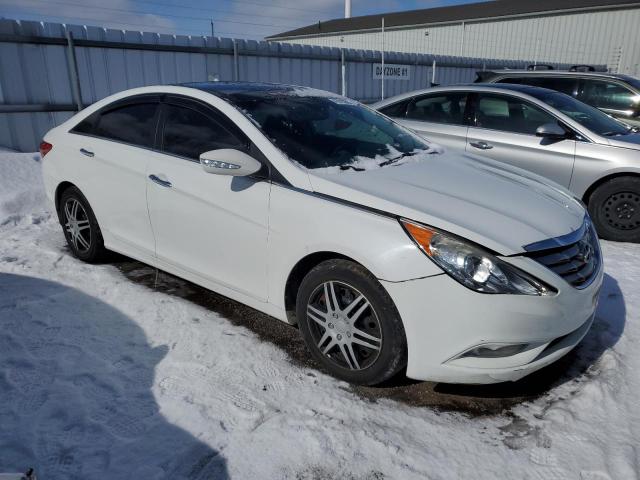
159 181
481 145
86 152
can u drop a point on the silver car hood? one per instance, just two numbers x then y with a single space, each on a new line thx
495 205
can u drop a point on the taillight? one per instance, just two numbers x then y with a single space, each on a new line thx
45 147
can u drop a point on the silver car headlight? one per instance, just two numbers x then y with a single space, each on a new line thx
472 266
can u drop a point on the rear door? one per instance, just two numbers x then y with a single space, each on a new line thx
116 144
439 117
211 227
504 129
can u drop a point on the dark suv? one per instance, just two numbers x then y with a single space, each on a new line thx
616 94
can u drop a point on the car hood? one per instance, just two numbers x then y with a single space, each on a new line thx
632 140
500 207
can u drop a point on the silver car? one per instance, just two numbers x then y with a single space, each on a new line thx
615 94
541 130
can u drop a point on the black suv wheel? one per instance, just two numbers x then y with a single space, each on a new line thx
615 209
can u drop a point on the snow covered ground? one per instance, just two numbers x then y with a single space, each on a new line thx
102 377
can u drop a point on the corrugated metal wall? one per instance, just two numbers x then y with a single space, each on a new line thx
39 74
609 38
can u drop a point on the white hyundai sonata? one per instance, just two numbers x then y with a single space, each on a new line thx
385 250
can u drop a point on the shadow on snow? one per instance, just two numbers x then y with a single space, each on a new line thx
75 392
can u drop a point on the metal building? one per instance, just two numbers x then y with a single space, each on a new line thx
563 31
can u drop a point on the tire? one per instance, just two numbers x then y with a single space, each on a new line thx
83 232
362 341
615 209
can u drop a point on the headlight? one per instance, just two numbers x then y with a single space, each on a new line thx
472 266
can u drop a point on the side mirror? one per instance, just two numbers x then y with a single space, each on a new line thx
551 131
227 161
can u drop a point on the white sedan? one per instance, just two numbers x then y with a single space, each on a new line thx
386 251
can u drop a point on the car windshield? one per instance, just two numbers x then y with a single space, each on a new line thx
320 130
587 116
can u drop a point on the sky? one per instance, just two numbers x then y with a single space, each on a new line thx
252 19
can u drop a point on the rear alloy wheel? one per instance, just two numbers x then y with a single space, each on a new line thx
80 226
350 324
615 209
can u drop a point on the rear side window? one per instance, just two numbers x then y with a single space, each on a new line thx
134 124
397 110
603 94
441 108
512 80
568 86
189 133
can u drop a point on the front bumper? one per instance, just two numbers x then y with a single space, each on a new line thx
443 319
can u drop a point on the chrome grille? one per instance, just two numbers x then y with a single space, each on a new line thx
575 258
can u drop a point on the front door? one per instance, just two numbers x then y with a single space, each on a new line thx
504 129
211 226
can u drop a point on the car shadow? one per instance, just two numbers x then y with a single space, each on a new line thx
76 378
472 399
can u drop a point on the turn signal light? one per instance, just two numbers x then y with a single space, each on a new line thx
422 235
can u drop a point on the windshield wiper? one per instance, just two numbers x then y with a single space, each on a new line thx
347 167
395 159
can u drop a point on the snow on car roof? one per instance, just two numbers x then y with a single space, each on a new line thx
231 89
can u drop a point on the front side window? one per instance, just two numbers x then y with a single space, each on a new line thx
587 116
510 114
189 133
440 108
134 124
609 95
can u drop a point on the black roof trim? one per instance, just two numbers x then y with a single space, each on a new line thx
455 13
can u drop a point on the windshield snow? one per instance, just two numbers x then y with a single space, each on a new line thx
321 130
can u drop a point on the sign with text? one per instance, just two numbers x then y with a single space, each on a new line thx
392 72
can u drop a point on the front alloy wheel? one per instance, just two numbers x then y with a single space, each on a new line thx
350 324
344 325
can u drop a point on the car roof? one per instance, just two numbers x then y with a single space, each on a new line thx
528 89
560 73
479 87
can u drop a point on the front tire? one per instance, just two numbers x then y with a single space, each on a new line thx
350 324
615 209
80 226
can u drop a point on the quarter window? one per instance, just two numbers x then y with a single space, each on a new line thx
601 94
509 114
134 124
189 133
442 108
